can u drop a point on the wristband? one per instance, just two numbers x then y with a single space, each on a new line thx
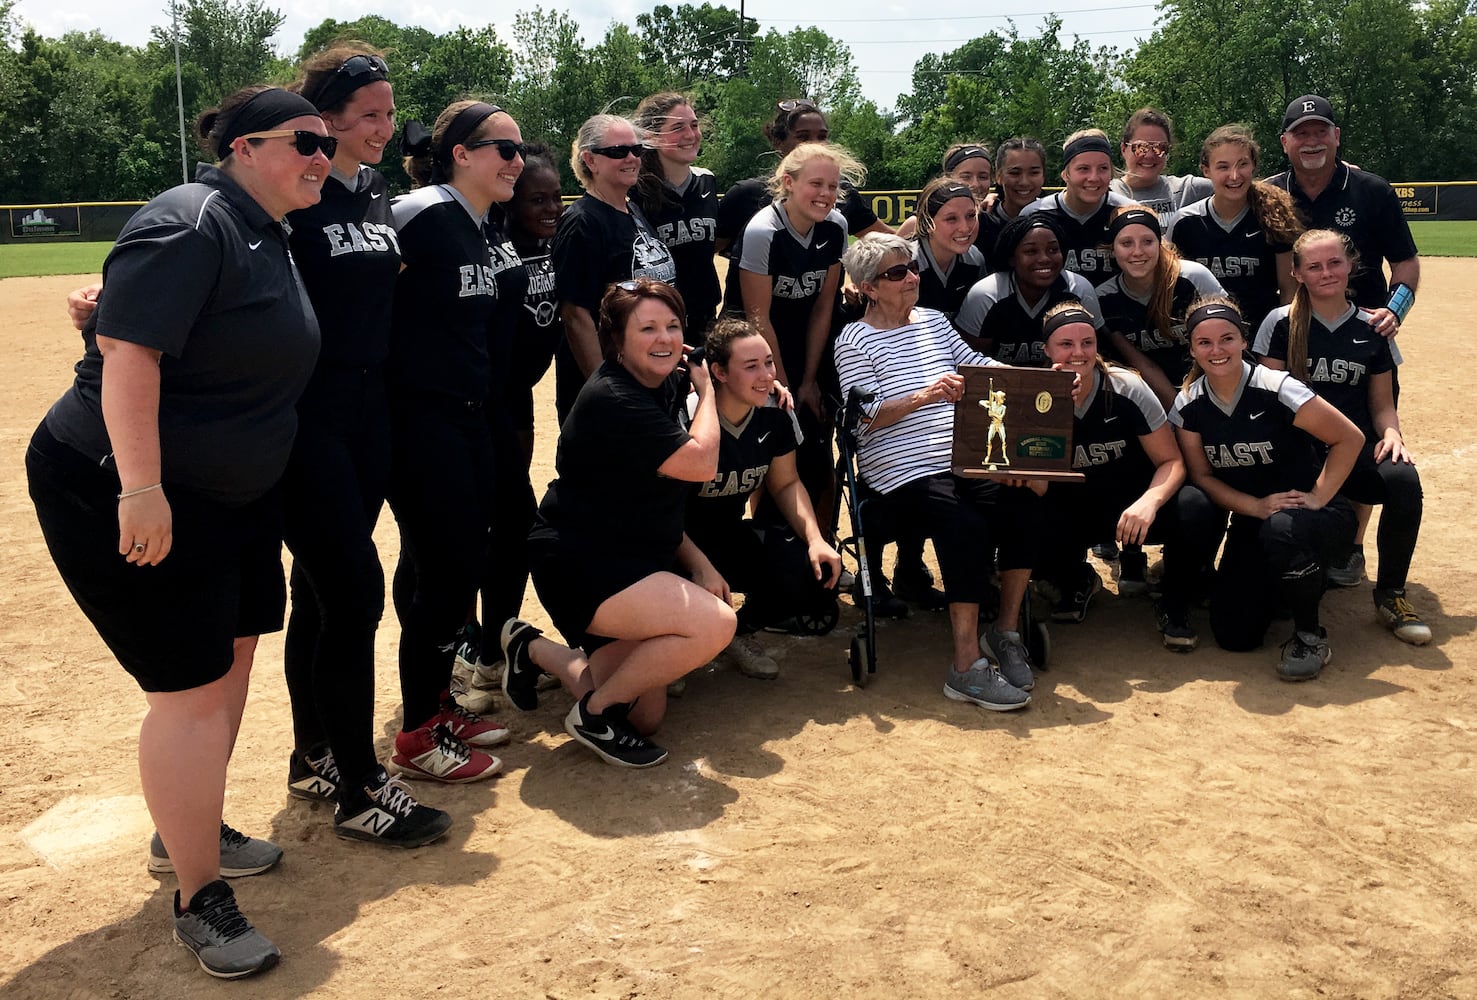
142 489
1402 297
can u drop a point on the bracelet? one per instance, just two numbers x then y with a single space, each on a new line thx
142 489
1402 297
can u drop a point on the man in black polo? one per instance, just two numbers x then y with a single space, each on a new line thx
1331 195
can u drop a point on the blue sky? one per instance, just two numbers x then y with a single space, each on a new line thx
884 37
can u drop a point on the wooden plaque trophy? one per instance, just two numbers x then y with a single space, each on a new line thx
1014 423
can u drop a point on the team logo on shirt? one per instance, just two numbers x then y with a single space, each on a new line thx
650 259
1344 217
1232 267
688 231
361 237
1240 454
741 481
1335 370
1098 453
803 287
1089 261
543 312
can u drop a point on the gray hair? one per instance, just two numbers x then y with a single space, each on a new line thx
591 134
863 258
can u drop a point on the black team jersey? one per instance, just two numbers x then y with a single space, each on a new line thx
995 312
444 298
348 253
1106 430
796 266
539 328
945 290
1251 443
1086 246
686 221
745 451
1127 316
1241 256
1341 359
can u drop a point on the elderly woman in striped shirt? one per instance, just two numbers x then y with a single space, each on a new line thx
908 358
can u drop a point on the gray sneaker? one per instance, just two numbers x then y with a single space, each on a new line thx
983 685
1351 573
1007 650
240 855
1304 656
222 940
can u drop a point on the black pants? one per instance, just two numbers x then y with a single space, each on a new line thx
335 486
769 566
1081 515
1397 488
1268 563
967 520
442 489
505 557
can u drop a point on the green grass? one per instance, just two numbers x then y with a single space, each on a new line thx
28 260
1445 239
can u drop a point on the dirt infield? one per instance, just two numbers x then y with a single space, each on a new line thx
1152 825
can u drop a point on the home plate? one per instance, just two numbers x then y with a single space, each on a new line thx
85 828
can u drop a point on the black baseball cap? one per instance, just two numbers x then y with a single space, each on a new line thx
1309 107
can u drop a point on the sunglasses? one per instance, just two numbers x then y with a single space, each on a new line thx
361 64
306 143
1143 147
799 104
898 272
619 152
506 148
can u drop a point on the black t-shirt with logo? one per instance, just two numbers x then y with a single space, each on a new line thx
1239 253
1106 432
1086 245
687 223
796 266
596 246
1127 316
995 312
1341 359
745 451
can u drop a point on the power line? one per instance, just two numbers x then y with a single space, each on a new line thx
960 41
967 17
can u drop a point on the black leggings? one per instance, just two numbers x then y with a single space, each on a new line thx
1081 515
505 557
335 486
1396 486
442 490
1269 563
967 519
769 566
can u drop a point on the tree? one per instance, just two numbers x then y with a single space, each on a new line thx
695 43
230 40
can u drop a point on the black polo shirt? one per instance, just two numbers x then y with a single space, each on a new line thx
1364 206
204 275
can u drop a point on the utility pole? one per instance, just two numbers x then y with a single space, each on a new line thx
179 90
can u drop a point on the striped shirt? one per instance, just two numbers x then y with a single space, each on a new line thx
896 363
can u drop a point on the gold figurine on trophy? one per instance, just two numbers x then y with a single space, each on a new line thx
994 403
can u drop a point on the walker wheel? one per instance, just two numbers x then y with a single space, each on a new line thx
856 656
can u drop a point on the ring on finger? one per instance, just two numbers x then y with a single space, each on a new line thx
139 547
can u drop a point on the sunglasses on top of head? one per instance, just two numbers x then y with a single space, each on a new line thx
619 152
799 104
898 272
306 143
506 148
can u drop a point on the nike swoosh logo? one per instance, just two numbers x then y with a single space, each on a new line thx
375 197
767 433
609 734
1365 341
1255 415
255 245
821 245
1256 232
1109 420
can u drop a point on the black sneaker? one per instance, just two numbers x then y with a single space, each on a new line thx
1133 572
312 774
1072 609
611 736
469 646
222 940
1106 551
383 811
1175 629
1304 655
520 674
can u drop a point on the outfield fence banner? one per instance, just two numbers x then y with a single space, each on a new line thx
96 222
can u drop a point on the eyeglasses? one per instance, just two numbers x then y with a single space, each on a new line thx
898 272
307 143
1144 147
799 104
619 152
506 148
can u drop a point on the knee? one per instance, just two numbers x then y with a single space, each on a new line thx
1403 486
714 630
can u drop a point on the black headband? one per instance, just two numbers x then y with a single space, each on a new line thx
261 113
461 127
967 153
944 195
1066 318
355 72
1134 217
1213 310
1085 144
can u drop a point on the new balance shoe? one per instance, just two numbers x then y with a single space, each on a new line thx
1010 656
312 774
470 728
982 685
431 753
520 673
750 659
1175 628
240 855
1072 609
611 736
1304 656
469 647
383 811
1351 573
221 939
1395 612
1132 572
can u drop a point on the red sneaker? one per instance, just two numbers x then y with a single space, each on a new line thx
433 754
469 727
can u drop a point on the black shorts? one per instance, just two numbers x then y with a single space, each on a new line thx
172 626
572 583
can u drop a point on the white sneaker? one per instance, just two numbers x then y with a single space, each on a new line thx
479 691
749 658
